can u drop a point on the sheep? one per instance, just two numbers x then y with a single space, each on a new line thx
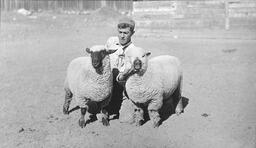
152 82
89 80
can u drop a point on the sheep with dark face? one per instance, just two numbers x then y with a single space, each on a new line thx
152 82
89 80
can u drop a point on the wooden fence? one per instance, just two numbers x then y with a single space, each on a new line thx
195 14
121 5
159 14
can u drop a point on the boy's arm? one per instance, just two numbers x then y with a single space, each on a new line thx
123 76
121 79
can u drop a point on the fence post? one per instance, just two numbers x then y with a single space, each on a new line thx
0 14
103 3
227 25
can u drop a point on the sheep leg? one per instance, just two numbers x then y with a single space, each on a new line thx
68 98
82 121
155 117
104 118
153 109
179 107
138 116
85 115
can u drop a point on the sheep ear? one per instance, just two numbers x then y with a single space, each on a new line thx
88 50
110 51
147 54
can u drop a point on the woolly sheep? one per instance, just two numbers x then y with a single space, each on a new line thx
89 80
154 81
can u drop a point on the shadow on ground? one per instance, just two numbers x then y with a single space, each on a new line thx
167 110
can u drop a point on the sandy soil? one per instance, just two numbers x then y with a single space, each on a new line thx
219 85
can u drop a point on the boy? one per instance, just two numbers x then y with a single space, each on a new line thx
123 41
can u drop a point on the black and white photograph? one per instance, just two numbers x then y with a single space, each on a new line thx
127 74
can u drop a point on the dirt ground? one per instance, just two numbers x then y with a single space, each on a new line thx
219 84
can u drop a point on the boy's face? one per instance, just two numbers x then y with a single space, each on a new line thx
124 35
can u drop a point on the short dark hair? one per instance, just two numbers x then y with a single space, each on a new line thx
124 25
126 22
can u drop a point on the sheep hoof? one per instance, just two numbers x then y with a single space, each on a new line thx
138 117
105 122
138 122
156 122
178 111
81 123
103 118
65 109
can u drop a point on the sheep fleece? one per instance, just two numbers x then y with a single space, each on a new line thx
84 82
162 77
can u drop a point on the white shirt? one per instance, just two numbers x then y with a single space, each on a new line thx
115 60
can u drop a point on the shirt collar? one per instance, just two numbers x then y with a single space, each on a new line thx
126 45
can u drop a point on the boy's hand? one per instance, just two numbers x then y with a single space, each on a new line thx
126 73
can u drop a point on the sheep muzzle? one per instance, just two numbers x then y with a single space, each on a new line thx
96 64
137 64
96 60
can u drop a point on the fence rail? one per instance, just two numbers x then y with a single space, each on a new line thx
195 14
121 5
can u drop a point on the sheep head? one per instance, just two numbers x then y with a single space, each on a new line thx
98 53
136 59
